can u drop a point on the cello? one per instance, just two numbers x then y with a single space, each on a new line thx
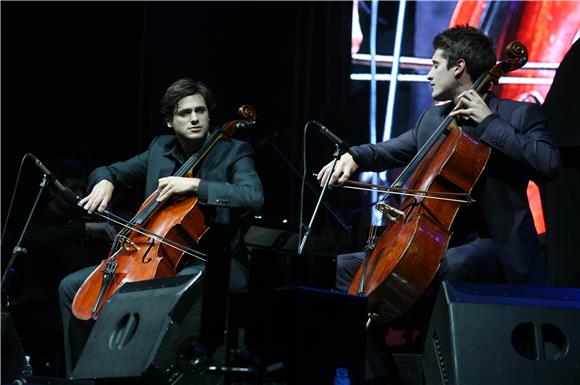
400 264
153 243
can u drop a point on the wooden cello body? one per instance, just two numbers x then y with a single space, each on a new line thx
154 242
407 255
405 258
142 257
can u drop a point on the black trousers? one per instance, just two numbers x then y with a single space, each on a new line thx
380 367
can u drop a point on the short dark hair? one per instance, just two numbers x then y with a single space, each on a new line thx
467 43
179 90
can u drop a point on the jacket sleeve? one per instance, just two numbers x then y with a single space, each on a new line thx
396 152
122 174
524 138
241 188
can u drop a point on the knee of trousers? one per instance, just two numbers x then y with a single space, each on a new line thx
69 286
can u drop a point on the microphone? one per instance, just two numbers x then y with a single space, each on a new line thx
344 146
67 193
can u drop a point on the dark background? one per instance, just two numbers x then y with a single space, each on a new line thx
84 80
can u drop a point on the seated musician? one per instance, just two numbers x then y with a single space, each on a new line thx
494 239
226 179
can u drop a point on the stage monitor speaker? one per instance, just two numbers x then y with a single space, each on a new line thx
483 334
146 333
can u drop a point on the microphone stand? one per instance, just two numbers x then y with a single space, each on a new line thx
311 185
18 249
338 152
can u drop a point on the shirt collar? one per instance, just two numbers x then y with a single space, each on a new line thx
175 151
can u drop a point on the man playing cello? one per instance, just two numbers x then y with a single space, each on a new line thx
494 239
226 179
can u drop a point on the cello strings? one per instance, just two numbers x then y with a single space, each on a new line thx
128 226
387 189
404 190
409 194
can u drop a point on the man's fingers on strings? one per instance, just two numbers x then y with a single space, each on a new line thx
90 207
164 193
461 113
102 207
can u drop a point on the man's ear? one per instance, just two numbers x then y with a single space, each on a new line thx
459 68
168 124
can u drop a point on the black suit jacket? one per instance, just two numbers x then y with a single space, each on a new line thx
522 149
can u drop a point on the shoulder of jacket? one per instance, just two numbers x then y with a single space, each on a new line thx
165 141
233 143
437 108
236 147
515 105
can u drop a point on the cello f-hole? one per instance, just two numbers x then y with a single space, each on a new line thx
144 258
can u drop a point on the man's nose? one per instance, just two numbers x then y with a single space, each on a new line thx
194 117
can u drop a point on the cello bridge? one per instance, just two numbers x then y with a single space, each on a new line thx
391 213
128 245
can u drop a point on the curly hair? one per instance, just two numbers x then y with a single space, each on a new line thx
467 43
179 90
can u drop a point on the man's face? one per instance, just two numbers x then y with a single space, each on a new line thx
442 79
191 120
